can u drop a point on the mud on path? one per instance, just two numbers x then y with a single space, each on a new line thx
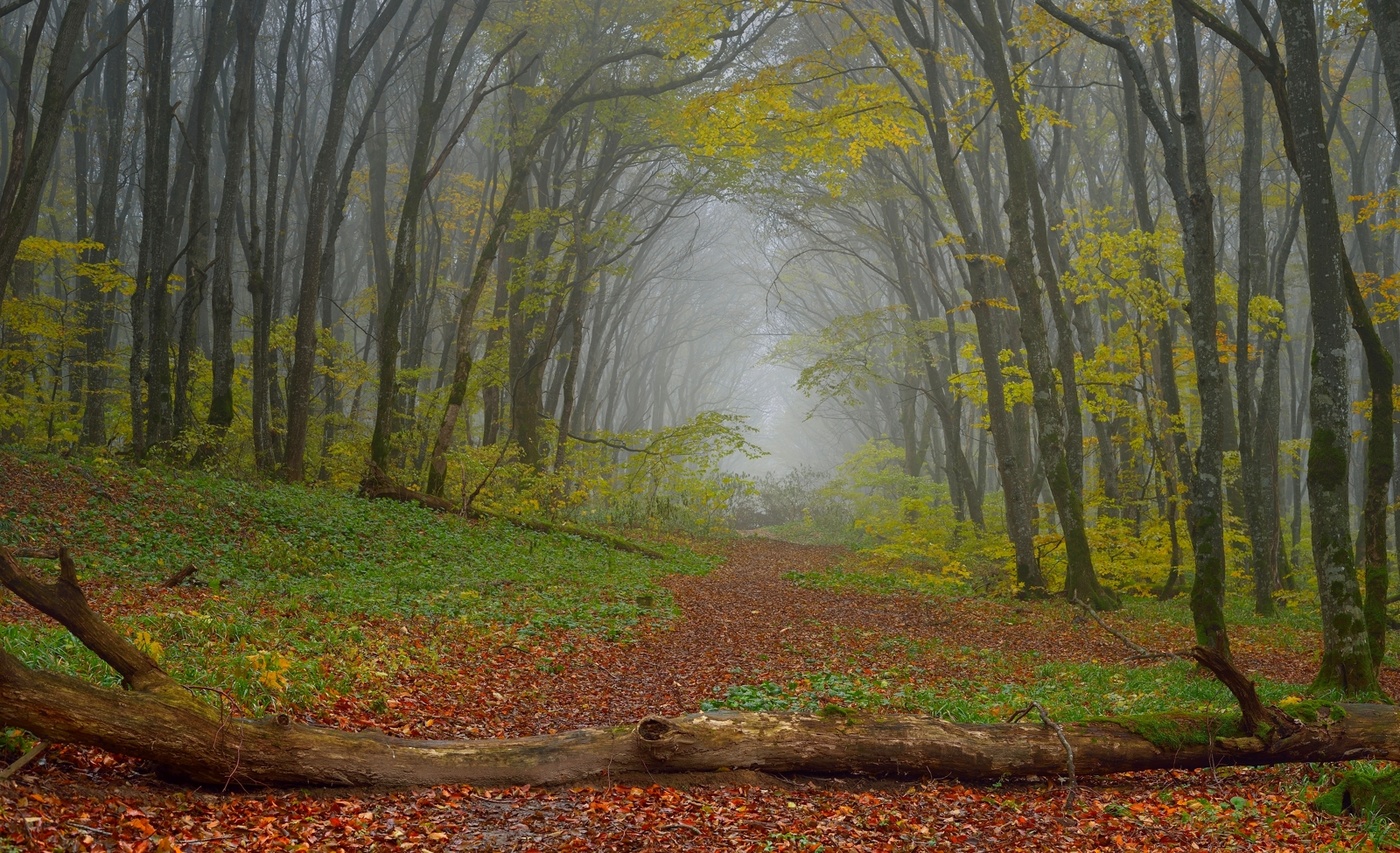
743 623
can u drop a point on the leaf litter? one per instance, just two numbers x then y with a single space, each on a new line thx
743 623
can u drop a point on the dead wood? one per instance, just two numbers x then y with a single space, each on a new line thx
377 484
23 761
160 721
180 577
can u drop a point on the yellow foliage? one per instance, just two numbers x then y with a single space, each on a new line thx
269 668
148 646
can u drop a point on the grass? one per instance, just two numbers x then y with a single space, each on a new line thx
298 577
1069 692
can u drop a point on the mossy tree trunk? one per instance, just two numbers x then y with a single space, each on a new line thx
1258 463
1182 136
1205 514
1013 474
1054 431
1346 657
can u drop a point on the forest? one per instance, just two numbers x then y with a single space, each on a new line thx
465 400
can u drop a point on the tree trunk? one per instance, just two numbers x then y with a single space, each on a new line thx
347 63
158 720
1015 479
1346 659
248 22
149 300
27 171
105 229
1258 463
262 271
1385 20
1195 209
393 293
198 139
1054 432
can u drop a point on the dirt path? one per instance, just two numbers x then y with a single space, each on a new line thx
747 623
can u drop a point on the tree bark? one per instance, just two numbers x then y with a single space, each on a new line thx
262 253
393 293
247 23
1015 479
148 299
158 720
1258 464
1055 434
105 229
350 56
198 139
1346 658
31 156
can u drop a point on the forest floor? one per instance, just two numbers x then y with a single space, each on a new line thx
753 632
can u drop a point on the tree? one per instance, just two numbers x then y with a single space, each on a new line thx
1350 638
248 17
1346 656
438 78
1055 433
349 56
1182 136
668 68
32 151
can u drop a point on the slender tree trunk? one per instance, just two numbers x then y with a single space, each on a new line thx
1015 481
150 272
1195 209
248 19
105 228
346 66
393 294
31 153
1346 659
1255 458
198 140
1053 430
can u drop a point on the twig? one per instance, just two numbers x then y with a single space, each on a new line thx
1141 652
180 577
1064 741
19 763
36 553
608 442
85 828
221 693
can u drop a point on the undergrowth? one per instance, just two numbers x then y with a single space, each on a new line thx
295 582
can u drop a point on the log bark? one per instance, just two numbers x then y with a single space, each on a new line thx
198 743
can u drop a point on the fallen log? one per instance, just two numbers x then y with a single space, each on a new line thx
191 740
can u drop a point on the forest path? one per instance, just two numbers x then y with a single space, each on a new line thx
748 622
743 623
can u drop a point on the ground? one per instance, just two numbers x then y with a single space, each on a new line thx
753 632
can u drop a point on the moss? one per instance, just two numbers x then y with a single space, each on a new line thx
1177 730
1312 710
845 715
1327 458
1364 791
